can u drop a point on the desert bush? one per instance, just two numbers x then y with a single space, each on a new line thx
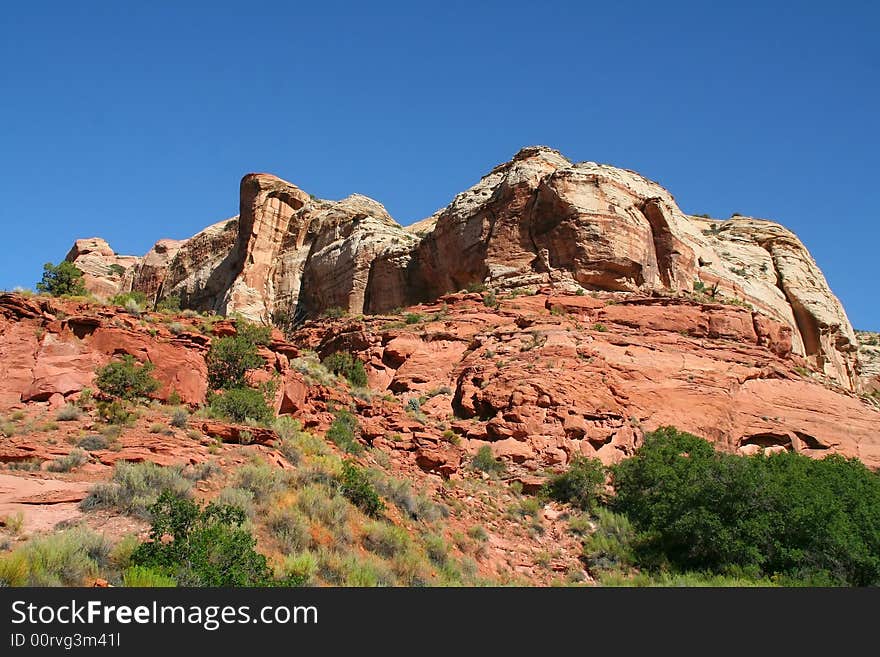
413 318
238 497
93 443
170 304
295 443
355 485
342 432
485 461
14 569
176 328
202 471
68 413
354 570
63 279
398 491
30 464
208 545
344 364
290 528
609 546
581 485
116 412
385 539
179 418
335 312
307 443
436 548
64 558
321 503
311 368
125 379
135 487
242 405
259 478
135 297
143 577
74 459
478 533
300 569
230 357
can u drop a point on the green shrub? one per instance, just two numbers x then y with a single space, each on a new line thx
125 379
342 432
290 528
116 269
76 458
64 558
64 279
126 299
787 514
295 443
385 539
13 523
485 461
208 546
179 418
116 412
437 549
230 357
609 546
239 498
355 485
14 569
143 577
260 478
170 304
581 485
242 405
321 503
398 491
68 413
413 318
344 364
135 487
300 569
335 312
478 533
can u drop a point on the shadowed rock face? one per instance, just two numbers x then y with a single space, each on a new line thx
536 220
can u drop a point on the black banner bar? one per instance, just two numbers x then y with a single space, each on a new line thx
132 621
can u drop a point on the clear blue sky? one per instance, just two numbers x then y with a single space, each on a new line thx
135 121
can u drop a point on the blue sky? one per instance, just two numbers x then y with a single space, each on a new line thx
136 121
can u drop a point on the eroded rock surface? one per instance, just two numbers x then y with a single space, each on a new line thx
536 220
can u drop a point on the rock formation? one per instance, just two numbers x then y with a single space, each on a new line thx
104 272
536 220
539 378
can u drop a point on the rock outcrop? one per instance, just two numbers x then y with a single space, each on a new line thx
869 360
105 273
546 377
536 220
539 378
